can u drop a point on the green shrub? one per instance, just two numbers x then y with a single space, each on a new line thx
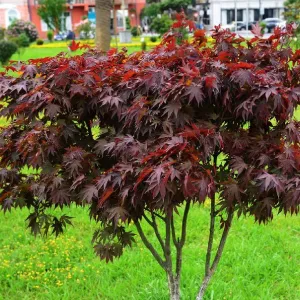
135 31
263 26
19 26
128 26
161 25
2 33
39 42
295 43
22 41
144 45
153 39
7 49
50 35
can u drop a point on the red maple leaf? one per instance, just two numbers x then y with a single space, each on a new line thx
128 75
112 51
74 46
224 56
210 82
199 33
105 196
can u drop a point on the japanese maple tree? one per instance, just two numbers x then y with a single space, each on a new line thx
143 137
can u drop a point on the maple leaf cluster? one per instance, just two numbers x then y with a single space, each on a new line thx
125 134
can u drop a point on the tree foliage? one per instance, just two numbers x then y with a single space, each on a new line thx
136 137
7 49
176 5
18 27
51 12
161 25
158 7
292 11
151 11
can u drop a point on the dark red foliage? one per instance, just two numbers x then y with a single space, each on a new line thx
148 131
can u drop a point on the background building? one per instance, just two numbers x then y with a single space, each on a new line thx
80 8
27 10
223 11
13 9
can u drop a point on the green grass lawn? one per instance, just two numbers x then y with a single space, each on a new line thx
44 52
259 262
38 53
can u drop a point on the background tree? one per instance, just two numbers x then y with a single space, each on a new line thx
51 12
151 11
155 8
292 12
161 25
175 5
103 34
143 138
153 1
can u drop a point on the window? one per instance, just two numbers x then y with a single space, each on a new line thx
66 21
12 14
239 15
120 17
256 14
231 15
44 26
269 13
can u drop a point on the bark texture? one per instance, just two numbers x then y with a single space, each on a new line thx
174 289
103 36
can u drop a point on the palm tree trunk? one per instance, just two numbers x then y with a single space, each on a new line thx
103 9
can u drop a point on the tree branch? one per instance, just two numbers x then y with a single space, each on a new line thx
150 246
184 222
155 227
89 129
168 244
211 235
211 226
156 214
175 241
182 239
148 220
218 255
222 241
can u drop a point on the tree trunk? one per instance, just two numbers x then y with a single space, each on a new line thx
174 285
103 9
203 287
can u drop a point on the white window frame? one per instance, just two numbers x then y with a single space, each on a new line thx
7 22
44 26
